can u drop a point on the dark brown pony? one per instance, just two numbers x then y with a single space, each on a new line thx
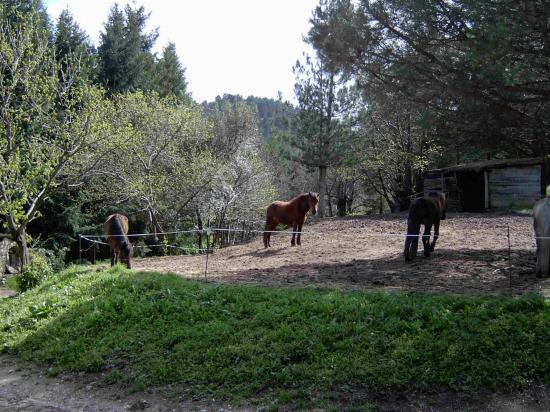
116 229
291 213
428 210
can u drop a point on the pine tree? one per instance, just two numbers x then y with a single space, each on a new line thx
15 12
170 75
125 55
72 43
319 135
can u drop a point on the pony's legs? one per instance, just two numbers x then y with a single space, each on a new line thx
414 246
411 241
426 239
436 235
112 257
299 238
294 230
267 236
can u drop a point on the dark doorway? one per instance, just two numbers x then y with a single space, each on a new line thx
472 189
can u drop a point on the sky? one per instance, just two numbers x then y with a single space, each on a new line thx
245 47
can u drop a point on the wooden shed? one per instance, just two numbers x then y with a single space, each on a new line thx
491 184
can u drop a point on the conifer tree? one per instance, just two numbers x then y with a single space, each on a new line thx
170 74
124 54
319 137
72 43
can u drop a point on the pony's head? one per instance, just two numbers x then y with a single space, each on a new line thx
313 202
126 253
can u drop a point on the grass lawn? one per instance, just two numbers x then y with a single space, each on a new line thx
290 345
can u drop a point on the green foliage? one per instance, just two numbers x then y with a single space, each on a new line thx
11 282
236 342
33 274
125 60
319 135
157 157
170 75
72 44
46 121
56 258
15 12
477 67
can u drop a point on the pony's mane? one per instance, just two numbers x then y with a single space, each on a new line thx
294 199
116 227
122 239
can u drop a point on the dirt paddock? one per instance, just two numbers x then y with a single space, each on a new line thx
367 253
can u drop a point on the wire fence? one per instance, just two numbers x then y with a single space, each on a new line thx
211 238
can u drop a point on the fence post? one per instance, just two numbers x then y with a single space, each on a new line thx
208 231
79 249
509 260
242 233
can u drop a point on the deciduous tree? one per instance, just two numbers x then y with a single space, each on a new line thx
47 118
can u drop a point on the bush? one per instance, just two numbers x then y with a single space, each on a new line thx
37 271
56 258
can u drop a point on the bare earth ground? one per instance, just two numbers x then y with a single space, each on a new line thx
355 253
26 387
471 257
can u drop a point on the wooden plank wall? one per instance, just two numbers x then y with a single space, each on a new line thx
448 184
514 186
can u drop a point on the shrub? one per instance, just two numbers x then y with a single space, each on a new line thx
56 258
34 273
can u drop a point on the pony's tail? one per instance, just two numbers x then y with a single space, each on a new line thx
411 241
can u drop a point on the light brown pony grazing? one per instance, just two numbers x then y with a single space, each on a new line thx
116 229
291 213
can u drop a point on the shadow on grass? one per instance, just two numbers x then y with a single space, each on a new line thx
148 329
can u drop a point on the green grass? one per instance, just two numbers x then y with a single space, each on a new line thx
11 282
242 342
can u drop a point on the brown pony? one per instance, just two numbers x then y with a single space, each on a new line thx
291 213
428 210
116 229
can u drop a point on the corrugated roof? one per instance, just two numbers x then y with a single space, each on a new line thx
490 164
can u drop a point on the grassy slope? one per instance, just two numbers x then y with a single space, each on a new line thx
153 329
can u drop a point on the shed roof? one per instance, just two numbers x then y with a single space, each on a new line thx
491 164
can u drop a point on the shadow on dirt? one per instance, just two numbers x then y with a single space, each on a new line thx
464 271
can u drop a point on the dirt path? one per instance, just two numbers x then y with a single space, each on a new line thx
6 293
26 387
366 253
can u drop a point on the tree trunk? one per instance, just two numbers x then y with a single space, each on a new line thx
22 248
341 205
322 189
18 234
157 231
405 200
199 226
